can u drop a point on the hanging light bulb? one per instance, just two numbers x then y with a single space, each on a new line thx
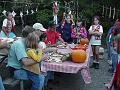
13 13
32 11
27 12
4 12
21 13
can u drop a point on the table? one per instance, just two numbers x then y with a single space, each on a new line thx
70 67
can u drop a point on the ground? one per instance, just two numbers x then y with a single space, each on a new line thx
75 82
64 81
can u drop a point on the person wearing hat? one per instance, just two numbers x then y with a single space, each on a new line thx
52 35
17 58
39 29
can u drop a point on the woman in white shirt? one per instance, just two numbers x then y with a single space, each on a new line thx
95 31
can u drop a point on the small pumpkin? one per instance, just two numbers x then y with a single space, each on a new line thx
80 46
78 56
84 41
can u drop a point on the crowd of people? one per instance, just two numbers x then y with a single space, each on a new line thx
27 53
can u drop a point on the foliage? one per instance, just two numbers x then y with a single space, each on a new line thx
43 16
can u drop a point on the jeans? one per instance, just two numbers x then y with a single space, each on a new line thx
37 80
114 57
109 50
1 84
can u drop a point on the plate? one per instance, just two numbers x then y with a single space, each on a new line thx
9 40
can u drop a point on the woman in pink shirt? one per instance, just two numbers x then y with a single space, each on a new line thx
79 31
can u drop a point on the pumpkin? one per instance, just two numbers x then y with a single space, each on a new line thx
78 56
84 41
80 46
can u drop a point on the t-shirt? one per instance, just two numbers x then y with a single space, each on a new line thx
52 36
10 35
65 32
16 53
42 45
5 22
96 40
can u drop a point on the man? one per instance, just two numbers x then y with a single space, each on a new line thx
39 29
17 58
52 35
8 26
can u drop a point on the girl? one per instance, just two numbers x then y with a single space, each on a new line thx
34 52
96 31
82 33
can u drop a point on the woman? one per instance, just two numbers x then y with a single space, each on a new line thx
96 31
65 30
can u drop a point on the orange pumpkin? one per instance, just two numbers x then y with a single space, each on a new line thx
84 41
78 56
80 46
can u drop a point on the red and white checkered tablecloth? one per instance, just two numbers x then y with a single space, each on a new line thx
70 67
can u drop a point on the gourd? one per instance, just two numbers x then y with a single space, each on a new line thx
84 41
81 47
78 56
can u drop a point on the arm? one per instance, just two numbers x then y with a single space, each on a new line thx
4 25
36 57
27 61
59 37
84 33
4 44
100 32
91 31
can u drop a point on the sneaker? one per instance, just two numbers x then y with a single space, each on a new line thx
97 66
93 65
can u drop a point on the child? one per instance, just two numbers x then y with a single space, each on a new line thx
33 52
42 43
81 29
96 31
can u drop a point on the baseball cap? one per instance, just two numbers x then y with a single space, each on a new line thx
39 26
51 23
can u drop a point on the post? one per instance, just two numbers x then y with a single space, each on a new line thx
55 11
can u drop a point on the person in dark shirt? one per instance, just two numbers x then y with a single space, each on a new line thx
65 30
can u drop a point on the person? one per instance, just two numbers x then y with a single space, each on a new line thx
79 30
3 44
8 27
65 30
17 58
114 84
42 43
39 29
112 47
96 31
34 52
52 35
